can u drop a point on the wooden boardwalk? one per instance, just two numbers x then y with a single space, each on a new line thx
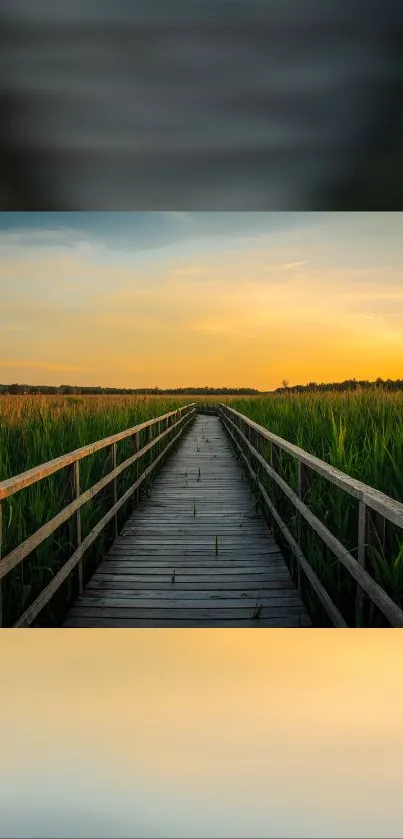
196 552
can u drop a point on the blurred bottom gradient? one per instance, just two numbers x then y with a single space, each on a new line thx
201 733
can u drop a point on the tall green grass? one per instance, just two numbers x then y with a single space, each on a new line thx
361 433
35 429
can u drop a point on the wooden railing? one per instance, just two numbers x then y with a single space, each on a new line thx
374 508
165 426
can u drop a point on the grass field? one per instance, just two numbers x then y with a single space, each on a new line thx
360 433
35 429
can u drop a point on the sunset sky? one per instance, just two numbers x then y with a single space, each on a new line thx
176 299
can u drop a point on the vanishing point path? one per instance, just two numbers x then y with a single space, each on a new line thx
195 552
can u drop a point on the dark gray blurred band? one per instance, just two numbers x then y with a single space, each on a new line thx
220 105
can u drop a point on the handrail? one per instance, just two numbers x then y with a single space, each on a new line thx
371 497
367 496
31 476
25 479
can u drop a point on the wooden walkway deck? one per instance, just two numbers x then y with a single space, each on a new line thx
195 553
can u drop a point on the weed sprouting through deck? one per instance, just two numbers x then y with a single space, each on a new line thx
258 608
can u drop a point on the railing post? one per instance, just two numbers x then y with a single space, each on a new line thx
1 581
371 534
149 440
259 469
114 490
275 458
159 445
256 446
77 520
302 489
362 532
136 446
248 436
376 530
251 441
255 440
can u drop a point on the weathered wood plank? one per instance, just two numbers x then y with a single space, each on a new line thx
194 553
193 569
116 583
236 531
197 579
186 599
195 612
230 565
103 622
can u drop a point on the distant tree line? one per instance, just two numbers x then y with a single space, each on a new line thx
147 391
348 384
64 390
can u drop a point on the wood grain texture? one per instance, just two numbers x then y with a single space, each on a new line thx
194 553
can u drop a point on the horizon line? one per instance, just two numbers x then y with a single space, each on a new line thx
185 388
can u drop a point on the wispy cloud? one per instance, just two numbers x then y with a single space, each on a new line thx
287 265
34 238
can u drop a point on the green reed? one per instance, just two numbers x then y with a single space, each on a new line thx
35 429
360 433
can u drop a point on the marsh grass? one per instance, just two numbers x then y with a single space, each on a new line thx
35 429
361 434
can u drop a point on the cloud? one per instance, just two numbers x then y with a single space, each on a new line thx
288 265
17 238
135 232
